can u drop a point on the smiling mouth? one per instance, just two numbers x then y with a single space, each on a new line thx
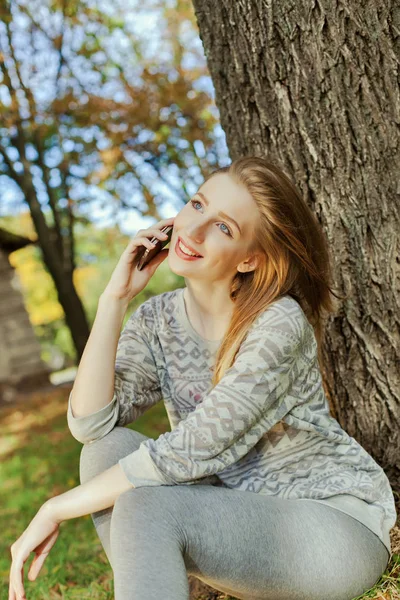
183 255
185 250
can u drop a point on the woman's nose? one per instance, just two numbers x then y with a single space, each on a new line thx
196 233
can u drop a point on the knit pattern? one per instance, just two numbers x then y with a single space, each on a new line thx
266 426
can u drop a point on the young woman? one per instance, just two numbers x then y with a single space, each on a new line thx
256 490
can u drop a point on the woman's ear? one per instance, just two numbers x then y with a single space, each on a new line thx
249 264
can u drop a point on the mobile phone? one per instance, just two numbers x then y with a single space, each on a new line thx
147 254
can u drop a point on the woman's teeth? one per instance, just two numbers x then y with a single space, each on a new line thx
186 251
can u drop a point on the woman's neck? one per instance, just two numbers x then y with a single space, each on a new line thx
211 327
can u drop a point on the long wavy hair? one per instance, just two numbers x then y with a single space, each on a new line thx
295 257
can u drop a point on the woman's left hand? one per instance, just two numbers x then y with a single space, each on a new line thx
90 497
39 537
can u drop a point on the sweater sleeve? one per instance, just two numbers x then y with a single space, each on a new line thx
136 384
251 397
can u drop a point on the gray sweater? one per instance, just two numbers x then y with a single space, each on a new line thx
265 428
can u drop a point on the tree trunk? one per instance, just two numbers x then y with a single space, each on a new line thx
315 84
75 315
60 264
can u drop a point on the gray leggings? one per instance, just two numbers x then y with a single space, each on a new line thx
248 545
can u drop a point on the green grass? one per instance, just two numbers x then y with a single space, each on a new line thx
40 459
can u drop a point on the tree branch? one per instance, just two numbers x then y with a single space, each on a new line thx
26 90
11 170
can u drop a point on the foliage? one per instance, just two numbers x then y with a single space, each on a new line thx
86 112
93 121
97 253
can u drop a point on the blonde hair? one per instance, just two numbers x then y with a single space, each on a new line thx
295 257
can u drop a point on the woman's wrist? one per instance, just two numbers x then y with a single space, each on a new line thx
97 494
108 297
49 510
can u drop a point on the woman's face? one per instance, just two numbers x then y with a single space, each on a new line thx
222 244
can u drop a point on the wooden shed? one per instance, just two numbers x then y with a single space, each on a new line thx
21 366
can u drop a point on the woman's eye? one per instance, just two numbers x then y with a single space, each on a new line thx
195 202
228 232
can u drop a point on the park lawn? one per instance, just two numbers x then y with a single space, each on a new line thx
40 459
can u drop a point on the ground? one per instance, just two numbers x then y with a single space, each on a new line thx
39 459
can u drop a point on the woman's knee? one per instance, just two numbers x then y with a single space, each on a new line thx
150 508
102 454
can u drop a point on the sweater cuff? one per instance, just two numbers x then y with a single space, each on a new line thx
140 469
89 428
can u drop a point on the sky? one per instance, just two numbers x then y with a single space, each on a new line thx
142 23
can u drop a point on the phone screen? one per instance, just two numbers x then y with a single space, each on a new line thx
150 253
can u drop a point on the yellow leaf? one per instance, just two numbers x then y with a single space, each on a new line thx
56 568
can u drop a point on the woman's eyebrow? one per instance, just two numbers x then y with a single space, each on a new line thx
221 214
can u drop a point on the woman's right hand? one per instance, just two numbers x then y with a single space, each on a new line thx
127 281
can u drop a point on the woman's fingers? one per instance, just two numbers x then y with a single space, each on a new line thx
161 235
11 593
36 565
17 591
152 233
137 242
41 553
20 556
155 230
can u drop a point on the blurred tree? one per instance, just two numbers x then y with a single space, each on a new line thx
97 251
88 121
316 85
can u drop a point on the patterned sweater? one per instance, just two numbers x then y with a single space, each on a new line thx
265 428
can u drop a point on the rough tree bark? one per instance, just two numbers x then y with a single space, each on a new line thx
316 84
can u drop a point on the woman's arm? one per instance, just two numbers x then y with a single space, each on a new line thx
97 494
94 382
